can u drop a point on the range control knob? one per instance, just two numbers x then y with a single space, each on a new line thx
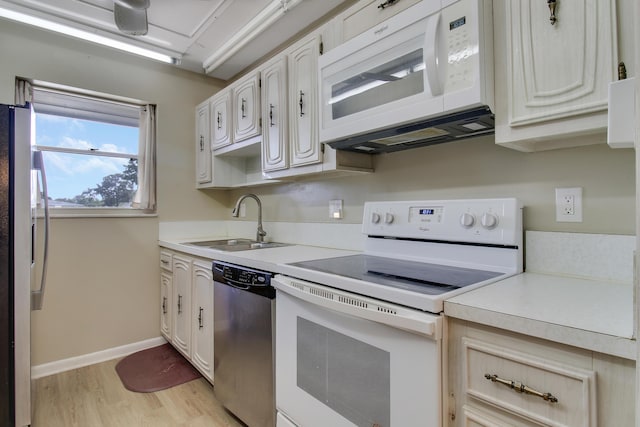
489 221
375 217
467 220
388 218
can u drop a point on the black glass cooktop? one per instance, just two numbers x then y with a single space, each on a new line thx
424 278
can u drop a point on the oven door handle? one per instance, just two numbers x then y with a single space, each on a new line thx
415 321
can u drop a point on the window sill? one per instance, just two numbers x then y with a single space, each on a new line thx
99 213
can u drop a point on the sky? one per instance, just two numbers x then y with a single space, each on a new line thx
69 175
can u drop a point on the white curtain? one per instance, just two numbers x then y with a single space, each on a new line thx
24 92
145 197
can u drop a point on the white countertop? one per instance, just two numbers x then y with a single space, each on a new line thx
268 259
591 314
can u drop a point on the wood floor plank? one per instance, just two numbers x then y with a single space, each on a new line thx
93 396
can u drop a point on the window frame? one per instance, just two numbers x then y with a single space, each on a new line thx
73 110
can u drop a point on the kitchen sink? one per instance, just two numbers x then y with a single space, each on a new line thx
235 244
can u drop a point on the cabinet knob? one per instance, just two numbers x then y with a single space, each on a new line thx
552 10
219 120
179 304
387 4
200 318
242 108
301 102
201 143
271 124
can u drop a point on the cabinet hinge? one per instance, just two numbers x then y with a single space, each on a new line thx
260 82
260 121
321 47
322 148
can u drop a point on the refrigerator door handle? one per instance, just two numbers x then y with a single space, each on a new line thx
37 296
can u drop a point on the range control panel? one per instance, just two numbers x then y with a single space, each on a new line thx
489 221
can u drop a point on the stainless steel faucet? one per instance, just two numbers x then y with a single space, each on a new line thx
236 212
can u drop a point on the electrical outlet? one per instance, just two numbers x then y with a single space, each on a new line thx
569 204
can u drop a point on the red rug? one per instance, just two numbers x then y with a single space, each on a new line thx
155 369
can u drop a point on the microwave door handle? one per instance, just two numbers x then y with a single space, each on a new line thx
38 295
435 55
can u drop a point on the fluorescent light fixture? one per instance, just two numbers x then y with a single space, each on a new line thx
86 35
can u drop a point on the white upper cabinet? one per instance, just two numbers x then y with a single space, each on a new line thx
203 144
552 79
368 13
221 120
246 108
275 142
303 102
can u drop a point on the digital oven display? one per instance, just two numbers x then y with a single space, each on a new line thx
427 211
457 23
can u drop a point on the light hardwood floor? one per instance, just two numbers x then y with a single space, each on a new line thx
93 396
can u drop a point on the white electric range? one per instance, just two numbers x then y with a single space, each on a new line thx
359 337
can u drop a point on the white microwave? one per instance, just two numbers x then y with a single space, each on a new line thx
422 77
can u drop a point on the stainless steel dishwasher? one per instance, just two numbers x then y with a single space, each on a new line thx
243 367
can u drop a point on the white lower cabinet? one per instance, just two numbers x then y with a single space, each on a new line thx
202 318
166 293
186 320
181 337
498 379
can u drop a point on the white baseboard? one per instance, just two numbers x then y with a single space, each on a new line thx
63 365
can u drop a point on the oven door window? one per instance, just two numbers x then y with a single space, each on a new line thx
339 370
348 375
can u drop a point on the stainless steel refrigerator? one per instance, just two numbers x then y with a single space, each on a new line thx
22 189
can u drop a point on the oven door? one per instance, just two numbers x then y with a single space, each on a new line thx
347 360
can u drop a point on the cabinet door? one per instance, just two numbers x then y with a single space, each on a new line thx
368 13
202 318
182 304
203 144
274 110
246 104
554 75
221 120
303 103
166 289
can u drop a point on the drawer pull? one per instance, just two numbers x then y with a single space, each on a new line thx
521 388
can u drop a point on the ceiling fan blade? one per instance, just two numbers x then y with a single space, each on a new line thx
134 4
130 21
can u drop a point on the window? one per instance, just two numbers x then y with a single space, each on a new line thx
98 152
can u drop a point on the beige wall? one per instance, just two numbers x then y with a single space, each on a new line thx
103 276
105 295
475 168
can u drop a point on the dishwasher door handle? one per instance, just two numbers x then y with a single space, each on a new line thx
236 285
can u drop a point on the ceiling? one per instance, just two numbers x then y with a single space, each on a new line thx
223 36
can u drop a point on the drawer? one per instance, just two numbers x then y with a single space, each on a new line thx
486 367
474 417
166 259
